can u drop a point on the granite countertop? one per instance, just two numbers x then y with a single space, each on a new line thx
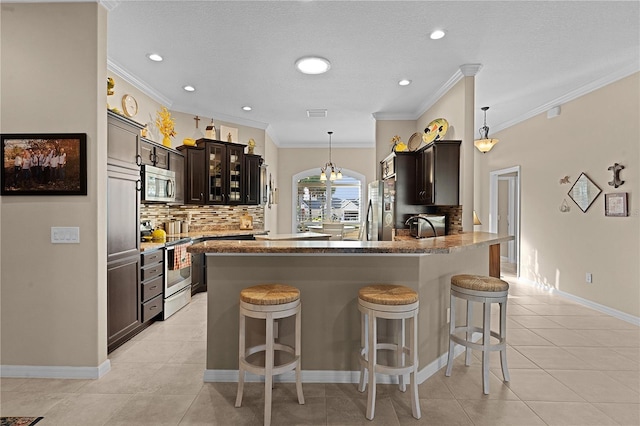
298 236
150 245
403 245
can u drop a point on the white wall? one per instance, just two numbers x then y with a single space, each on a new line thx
53 296
592 133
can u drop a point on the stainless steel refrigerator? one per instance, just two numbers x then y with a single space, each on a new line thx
379 221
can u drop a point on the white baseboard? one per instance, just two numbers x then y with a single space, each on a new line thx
585 302
55 372
331 376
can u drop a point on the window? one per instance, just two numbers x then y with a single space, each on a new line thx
317 202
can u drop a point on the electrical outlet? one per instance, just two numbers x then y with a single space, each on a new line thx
589 278
448 315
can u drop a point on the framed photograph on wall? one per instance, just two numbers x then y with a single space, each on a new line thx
44 164
615 204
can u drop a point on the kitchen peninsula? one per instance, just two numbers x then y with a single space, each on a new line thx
329 274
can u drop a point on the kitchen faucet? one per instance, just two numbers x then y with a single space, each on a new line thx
415 219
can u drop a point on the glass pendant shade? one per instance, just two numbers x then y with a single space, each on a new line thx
485 143
330 166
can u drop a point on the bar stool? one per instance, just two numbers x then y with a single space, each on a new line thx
486 290
392 302
269 302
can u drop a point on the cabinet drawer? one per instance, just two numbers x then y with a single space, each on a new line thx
152 257
152 288
151 308
152 271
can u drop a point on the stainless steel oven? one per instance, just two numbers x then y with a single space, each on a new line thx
177 278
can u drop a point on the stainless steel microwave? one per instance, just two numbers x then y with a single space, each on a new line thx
158 185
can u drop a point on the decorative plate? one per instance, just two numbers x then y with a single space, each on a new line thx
414 141
436 130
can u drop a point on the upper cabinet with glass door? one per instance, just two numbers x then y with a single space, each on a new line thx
224 172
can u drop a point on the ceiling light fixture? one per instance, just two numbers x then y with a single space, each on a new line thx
189 88
313 65
154 57
437 34
484 144
330 166
246 108
404 82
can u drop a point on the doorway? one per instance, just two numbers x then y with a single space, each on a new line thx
504 215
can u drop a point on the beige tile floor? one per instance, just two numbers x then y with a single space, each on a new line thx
569 365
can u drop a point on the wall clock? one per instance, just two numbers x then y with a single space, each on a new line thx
129 105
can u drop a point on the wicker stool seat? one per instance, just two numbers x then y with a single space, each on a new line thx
269 302
485 290
390 302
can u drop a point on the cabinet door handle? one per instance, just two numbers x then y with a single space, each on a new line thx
138 185
138 159
153 287
151 308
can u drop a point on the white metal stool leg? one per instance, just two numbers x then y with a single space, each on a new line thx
468 351
413 346
364 336
298 352
452 329
371 366
503 336
400 342
241 351
486 342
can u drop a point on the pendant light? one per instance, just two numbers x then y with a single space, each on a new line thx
330 166
484 144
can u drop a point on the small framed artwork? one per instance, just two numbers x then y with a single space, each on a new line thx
615 204
44 164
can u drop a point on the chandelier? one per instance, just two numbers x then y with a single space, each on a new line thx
484 144
330 167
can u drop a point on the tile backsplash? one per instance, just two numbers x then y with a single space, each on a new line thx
202 218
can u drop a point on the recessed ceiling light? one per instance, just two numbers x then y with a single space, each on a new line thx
189 88
313 65
437 35
246 108
404 82
154 57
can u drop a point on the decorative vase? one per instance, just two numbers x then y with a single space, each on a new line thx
166 141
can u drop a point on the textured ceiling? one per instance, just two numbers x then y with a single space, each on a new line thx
533 55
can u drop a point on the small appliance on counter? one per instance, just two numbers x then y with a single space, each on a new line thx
426 226
146 230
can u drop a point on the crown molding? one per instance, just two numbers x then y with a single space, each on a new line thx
138 83
109 4
238 120
470 70
574 94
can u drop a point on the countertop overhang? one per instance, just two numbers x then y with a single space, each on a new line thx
404 245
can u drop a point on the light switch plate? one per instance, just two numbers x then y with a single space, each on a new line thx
65 235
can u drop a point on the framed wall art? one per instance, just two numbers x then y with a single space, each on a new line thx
44 164
584 192
615 204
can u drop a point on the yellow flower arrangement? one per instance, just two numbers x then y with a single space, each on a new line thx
398 145
165 124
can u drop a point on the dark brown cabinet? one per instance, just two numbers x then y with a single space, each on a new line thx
152 154
223 169
438 174
123 238
123 307
152 284
123 146
194 177
177 165
252 178
219 172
